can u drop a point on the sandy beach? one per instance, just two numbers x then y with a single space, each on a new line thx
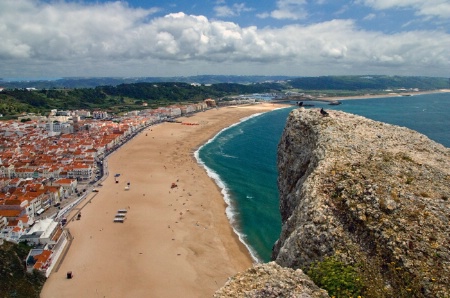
175 242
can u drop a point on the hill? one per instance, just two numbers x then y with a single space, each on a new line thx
113 95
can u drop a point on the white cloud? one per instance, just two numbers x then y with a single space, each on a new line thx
288 9
112 39
369 17
231 11
438 8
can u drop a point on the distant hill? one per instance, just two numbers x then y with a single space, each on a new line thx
92 82
118 95
372 82
122 97
369 83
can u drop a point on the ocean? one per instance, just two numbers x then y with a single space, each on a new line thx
242 158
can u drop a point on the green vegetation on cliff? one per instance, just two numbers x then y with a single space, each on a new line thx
339 279
14 280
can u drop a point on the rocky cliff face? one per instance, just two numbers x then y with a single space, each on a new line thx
372 195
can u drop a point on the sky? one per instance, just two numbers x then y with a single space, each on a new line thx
135 38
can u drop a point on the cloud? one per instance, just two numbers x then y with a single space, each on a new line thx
287 9
437 8
32 29
231 11
114 39
369 17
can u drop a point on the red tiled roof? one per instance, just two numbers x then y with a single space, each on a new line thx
10 213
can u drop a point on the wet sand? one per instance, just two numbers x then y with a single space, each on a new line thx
175 242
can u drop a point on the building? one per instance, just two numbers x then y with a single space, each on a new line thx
210 102
41 233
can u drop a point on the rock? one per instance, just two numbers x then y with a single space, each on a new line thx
270 280
370 194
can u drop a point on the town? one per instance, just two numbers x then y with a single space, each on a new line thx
48 165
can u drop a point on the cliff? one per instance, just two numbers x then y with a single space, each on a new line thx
365 208
371 195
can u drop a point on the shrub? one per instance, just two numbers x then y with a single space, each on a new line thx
338 279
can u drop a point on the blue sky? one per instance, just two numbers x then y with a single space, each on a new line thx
55 38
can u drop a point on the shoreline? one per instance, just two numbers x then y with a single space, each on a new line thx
337 98
175 241
224 188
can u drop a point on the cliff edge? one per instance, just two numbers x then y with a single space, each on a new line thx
270 280
370 195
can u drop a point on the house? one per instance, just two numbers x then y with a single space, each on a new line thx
68 185
81 172
13 231
39 259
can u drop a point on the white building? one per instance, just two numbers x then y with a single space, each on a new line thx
41 233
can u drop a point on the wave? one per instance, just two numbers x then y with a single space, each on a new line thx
230 210
228 156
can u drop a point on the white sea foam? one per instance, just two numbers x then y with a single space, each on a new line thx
230 210
228 156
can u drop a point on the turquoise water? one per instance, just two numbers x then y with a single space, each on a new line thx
242 158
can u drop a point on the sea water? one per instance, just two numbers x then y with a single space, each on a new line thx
242 158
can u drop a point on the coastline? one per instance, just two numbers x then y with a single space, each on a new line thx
224 188
337 98
175 241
